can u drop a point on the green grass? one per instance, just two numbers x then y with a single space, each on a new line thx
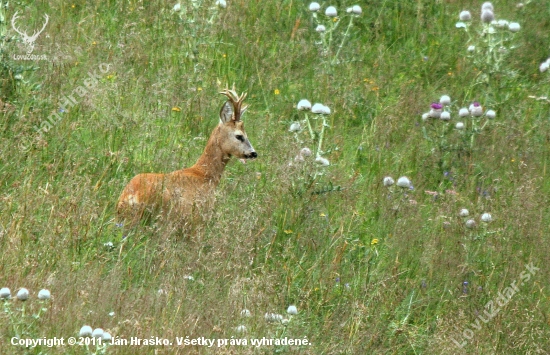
277 237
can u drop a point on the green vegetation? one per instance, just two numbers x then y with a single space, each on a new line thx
371 269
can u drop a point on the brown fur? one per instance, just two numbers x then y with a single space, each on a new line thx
189 191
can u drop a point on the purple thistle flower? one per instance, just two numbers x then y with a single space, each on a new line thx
436 106
476 104
337 279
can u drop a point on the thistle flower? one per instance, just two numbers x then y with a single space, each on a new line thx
445 100
292 310
322 161
246 313
320 28
465 16
106 337
314 7
23 294
305 152
221 3
273 317
464 213
356 9
463 112
331 11
320 108
388 181
425 116
177 7
404 181
486 217
459 126
85 331
44 294
295 127
491 114
487 16
471 48
241 329
304 105
436 109
487 6
475 109
544 66
445 116
470 223
5 293
97 333
514 27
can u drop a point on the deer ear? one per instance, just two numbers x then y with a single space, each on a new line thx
226 113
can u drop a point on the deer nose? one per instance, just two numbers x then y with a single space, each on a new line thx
253 155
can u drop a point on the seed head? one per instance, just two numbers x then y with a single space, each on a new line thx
388 181
85 331
487 16
331 11
23 294
404 182
304 105
314 6
292 310
465 16
44 294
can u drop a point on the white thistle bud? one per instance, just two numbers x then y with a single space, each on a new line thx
491 114
295 127
459 126
221 3
304 105
317 108
273 317
97 333
331 11
356 9
44 295
502 24
487 6
464 213
463 112
476 110
470 223
404 181
246 313
445 116
486 217
445 100
388 181
305 152
23 294
487 16
106 337
425 116
292 310
241 329
177 7
465 16
314 7
514 27
349 10
85 331
322 161
320 28
544 67
471 48
5 293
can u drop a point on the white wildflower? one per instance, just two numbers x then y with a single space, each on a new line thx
314 6
445 100
331 11
463 112
514 27
471 48
425 116
5 293
476 110
295 127
470 223
459 125
320 28
23 294
491 114
465 16
97 333
404 181
246 313
356 9
544 67
445 116
486 217
44 294
487 16
322 161
292 310
85 331
221 3
304 105
388 181
106 337
464 213
177 7
487 6
111 314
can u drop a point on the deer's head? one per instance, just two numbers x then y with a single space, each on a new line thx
29 40
232 137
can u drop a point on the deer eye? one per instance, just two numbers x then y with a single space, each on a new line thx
240 137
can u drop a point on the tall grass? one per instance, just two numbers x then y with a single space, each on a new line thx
371 268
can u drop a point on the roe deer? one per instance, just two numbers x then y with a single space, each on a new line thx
182 191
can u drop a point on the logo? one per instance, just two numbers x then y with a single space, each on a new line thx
28 40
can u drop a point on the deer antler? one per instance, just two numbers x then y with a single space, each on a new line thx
37 33
237 102
15 17
26 38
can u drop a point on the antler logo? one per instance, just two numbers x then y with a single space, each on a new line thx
29 40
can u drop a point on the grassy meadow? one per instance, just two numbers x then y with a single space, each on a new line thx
134 87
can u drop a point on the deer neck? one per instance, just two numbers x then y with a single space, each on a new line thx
213 160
